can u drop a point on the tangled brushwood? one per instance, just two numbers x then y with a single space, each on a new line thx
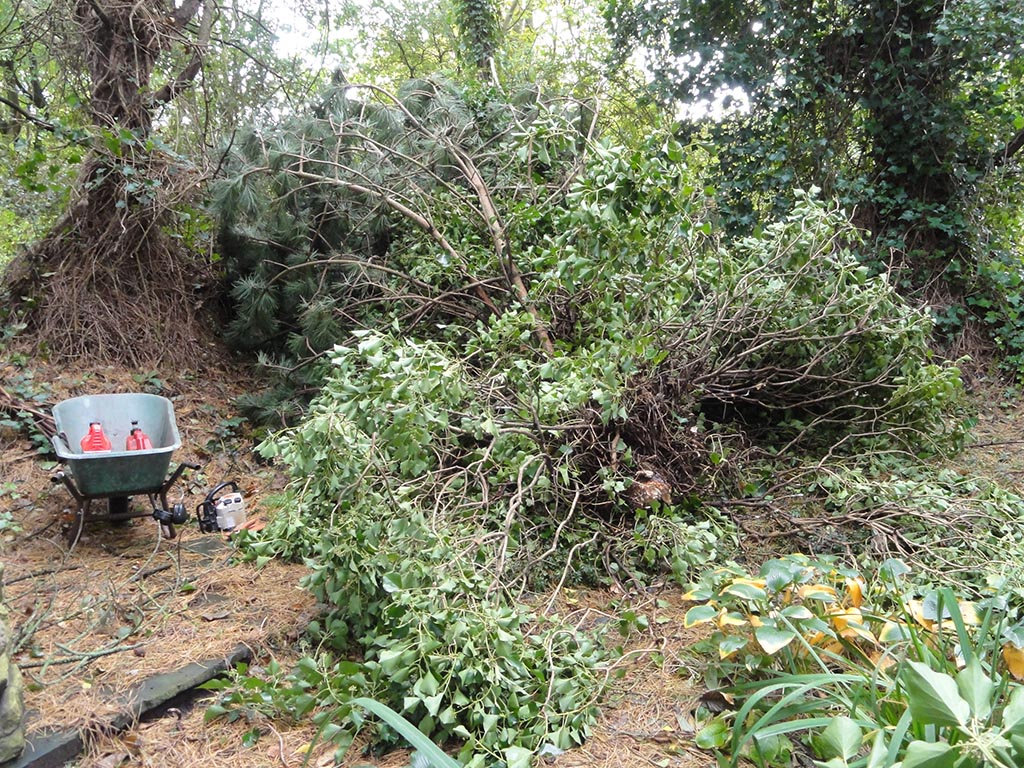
441 486
546 385
108 283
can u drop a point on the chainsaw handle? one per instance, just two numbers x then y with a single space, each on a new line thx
211 496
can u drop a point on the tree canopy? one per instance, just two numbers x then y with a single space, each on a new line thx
899 110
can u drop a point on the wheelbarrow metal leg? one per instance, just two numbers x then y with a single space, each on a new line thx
75 529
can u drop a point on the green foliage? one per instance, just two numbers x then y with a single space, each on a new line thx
385 509
995 298
8 525
811 648
317 245
785 324
17 232
445 470
897 112
31 195
786 327
249 77
557 47
657 332
963 521
297 693
22 385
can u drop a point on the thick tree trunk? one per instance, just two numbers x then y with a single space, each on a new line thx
913 176
108 282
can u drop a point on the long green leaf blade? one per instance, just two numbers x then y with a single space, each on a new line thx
409 732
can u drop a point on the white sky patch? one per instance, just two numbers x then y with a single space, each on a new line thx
294 36
725 102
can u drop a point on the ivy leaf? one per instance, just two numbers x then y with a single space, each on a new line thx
517 757
841 739
976 688
713 735
923 754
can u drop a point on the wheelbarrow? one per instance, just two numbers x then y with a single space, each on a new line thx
117 475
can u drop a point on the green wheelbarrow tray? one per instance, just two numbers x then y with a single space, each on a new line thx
117 474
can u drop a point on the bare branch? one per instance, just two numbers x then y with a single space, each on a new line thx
1012 148
28 115
418 219
491 217
184 12
104 19
501 249
184 78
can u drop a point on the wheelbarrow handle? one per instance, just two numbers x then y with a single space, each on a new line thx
61 478
177 473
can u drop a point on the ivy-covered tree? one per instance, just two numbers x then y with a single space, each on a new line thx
117 276
896 108
479 32
106 281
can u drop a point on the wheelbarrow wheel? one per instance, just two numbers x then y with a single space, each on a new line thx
118 507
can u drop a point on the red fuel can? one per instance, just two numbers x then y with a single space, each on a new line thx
94 439
137 440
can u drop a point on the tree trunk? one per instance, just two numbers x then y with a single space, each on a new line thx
107 282
913 176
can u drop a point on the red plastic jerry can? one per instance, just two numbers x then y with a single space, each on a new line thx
94 439
137 440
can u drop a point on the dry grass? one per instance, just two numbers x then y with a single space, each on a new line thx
648 716
996 449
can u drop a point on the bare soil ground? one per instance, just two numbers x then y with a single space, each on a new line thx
126 604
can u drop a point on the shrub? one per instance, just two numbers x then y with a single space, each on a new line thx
442 477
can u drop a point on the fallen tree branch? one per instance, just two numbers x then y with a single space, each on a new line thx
15 407
78 656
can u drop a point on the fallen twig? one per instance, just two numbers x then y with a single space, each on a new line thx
150 572
80 656
36 574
